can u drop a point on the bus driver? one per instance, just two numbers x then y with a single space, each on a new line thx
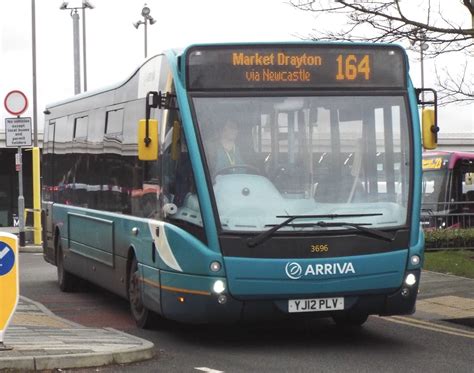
227 154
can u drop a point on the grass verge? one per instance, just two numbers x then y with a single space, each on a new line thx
453 262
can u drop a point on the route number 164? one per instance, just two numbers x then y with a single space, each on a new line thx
350 66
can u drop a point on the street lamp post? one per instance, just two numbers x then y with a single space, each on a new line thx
146 18
423 46
77 53
85 5
421 36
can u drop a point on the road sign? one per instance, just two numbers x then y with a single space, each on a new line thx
9 282
16 102
18 132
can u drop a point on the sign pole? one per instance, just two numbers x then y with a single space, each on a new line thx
18 134
21 199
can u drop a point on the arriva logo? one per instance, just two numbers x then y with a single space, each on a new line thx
295 271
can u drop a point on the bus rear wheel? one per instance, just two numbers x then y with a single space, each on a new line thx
350 319
66 280
141 315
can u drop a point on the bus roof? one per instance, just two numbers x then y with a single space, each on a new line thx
111 87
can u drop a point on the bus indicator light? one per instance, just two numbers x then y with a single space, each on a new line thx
215 266
415 260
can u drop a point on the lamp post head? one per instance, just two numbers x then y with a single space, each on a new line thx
87 5
145 11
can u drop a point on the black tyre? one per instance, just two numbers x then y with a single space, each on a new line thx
142 316
350 319
66 280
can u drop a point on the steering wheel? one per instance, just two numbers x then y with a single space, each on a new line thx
232 170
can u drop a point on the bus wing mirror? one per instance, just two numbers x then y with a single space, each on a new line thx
148 139
148 130
429 121
429 129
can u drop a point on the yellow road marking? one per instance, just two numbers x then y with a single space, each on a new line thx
430 326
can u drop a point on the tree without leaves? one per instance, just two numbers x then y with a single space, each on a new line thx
455 89
388 21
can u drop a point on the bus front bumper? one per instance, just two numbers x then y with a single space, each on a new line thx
213 307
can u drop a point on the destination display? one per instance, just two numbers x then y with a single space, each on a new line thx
294 66
434 163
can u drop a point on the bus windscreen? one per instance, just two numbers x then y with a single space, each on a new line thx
299 66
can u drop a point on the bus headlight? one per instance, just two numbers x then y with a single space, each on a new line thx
410 280
218 287
415 260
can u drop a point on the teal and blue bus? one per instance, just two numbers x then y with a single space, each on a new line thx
314 210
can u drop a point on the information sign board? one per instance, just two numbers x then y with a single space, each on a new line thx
18 132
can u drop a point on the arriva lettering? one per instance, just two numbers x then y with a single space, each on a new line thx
329 269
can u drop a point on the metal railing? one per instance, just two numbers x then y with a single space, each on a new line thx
448 225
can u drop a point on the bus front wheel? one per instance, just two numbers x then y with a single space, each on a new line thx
141 315
66 280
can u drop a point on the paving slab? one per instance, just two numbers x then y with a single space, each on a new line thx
40 340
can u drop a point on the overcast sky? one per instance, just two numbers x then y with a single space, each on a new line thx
115 48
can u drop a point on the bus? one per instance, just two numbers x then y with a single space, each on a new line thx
317 216
448 189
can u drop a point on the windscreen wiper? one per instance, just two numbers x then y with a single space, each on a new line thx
359 226
262 237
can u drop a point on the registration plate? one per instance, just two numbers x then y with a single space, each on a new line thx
315 305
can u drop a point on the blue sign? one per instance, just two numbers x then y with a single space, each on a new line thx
7 258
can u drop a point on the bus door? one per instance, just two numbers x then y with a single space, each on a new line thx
48 191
